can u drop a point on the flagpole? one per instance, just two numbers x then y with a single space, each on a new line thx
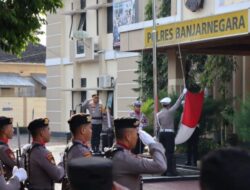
154 68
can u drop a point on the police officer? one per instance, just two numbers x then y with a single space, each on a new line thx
136 113
165 122
81 129
127 167
6 154
42 169
13 183
95 109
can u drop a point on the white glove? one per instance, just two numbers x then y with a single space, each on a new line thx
146 138
184 91
25 148
20 173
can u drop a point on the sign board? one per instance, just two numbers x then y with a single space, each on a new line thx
124 13
230 24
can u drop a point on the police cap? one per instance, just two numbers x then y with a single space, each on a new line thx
165 101
38 123
137 103
126 122
79 119
5 121
93 173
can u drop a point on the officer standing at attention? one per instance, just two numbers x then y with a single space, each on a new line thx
165 121
127 167
95 109
13 183
136 113
42 169
81 129
6 154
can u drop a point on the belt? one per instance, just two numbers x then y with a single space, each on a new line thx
167 130
96 117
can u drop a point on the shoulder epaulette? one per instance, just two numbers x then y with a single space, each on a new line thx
109 153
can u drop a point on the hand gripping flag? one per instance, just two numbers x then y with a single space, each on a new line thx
190 116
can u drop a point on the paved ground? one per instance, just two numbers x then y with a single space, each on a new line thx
174 185
58 144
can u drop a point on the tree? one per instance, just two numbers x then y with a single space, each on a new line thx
145 67
21 20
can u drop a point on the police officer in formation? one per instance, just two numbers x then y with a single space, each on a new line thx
42 169
95 109
19 175
7 156
127 167
8 168
81 129
165 122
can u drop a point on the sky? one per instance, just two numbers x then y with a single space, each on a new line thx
43 37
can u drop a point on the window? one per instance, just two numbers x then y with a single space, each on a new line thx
83 98
110 1
83 82
82 22
80 48
83 4
97 22
110 20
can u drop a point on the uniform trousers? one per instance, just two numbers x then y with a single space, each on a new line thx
95 140
192 147
167 140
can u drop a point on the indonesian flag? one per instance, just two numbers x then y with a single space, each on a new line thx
190 117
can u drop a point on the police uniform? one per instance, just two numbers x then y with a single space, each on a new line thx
95 111
165 122
76 148
12 184
128 167
42 169
6 154
90 173
143 123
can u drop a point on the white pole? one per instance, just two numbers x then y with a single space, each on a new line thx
154 68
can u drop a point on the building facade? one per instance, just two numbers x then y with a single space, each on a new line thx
82 59
197 27
94 46
23 85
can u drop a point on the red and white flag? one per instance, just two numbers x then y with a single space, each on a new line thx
190 116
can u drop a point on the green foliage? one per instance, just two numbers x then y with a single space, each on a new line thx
148 109
206 145
242 121
165 8
145 74
20 22
148 10
211 115
218 69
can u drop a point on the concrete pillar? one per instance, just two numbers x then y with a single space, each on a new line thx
246 77
175 74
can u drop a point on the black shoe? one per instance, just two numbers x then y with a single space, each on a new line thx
172 173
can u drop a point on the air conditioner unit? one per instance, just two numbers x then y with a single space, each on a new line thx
105 81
